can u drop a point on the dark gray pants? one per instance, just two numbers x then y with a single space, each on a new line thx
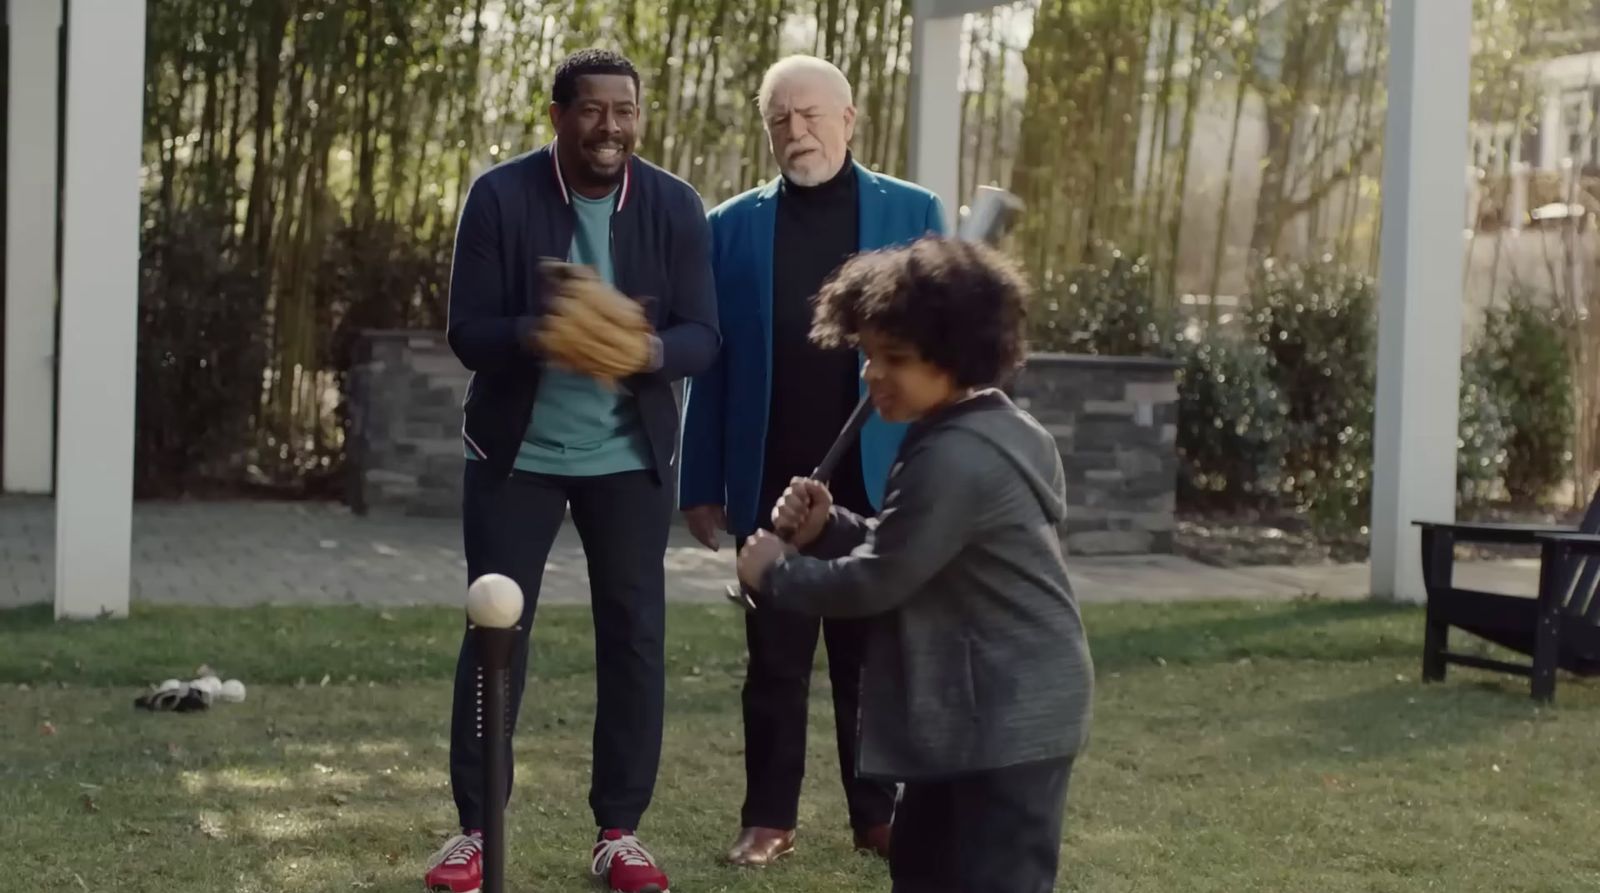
509 526
988 832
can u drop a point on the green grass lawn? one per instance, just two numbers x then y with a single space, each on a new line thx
1236 747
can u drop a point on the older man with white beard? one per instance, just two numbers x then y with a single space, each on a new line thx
767 411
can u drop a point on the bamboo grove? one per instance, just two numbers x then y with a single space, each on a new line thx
305 160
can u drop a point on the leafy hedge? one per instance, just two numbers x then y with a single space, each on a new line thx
1277 414
1521 359
206 331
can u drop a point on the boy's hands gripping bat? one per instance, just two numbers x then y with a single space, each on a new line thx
992 214
822 474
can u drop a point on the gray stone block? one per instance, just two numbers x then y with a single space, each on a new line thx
1103 435
1155 522
1092 497
1136 463
440 366
1085 461
1151 391
1109 542
1147 487
1114 408
1161 503
1103 476
388 352
428 396
1081 522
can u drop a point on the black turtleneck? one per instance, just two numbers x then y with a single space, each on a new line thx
813 390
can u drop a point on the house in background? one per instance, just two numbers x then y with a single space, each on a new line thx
1521 176
1531 186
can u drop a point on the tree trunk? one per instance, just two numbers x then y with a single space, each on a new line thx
1193 96
1156 155
1246 65
1369 81
258 211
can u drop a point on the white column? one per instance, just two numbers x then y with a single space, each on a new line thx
1518 211
1419 318
936 104
30 286
1551 145
1472 183
99 306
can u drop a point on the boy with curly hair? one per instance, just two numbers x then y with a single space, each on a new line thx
977 684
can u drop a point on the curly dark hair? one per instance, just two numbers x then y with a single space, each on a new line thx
962 305
590 61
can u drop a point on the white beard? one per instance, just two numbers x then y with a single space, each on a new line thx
803 179
812 174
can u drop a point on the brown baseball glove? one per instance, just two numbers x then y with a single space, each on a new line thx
590 327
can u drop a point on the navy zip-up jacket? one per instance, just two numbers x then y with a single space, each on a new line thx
519 211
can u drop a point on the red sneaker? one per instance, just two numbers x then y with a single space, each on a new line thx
625 865
457 867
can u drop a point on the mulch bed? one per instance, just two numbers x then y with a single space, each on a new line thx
1250 538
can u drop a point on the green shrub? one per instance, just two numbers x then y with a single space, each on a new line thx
1230 426
1481 446
205 330
1317 321
1104 307
202 352
1529 376
1282 418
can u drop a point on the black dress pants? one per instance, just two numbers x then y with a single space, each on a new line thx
782 646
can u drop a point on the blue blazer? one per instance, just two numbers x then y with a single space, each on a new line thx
725 416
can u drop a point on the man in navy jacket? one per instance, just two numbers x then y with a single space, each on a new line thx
770 406
538 437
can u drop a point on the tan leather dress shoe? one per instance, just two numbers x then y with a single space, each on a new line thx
758 847
874 840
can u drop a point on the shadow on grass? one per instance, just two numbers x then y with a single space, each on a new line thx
286 644
1381 717
342 788
1130 636
27 618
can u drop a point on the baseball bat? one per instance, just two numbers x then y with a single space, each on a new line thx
991 215
822 473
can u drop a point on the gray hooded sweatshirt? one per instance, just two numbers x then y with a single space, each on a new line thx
977 658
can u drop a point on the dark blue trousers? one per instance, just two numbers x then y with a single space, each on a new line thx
509 526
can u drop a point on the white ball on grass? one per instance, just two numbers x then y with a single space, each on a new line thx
232 690
494 601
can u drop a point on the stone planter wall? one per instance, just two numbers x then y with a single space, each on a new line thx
404 449
1115 419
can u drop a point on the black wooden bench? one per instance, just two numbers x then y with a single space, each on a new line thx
1560 627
